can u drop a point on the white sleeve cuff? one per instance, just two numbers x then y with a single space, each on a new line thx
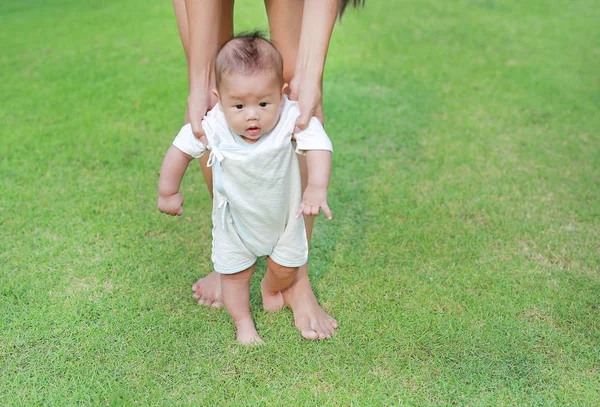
313 138
188 143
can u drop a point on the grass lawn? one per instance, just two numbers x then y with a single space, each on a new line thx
463 261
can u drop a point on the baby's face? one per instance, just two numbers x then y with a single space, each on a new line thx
251 103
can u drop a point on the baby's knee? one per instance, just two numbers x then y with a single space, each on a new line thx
239 276
280 270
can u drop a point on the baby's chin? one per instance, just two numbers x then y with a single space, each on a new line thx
251 138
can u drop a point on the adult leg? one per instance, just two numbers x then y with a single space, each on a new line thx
285 21
236 294
207 290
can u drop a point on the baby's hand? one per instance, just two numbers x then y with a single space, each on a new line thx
313 200
171 205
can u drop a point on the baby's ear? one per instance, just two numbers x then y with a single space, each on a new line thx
216 93
284 88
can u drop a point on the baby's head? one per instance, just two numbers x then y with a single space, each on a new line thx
250 86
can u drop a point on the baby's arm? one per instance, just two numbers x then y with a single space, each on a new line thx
184 148
315 144
315 194
173 168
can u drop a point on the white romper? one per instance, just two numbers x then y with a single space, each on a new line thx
256 189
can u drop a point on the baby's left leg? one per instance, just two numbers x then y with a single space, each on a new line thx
277 278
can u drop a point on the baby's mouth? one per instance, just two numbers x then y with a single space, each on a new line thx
253 131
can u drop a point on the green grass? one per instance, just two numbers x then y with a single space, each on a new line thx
463 263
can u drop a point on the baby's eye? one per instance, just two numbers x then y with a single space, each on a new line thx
239 107
263 104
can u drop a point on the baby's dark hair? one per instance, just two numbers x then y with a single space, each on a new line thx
248 53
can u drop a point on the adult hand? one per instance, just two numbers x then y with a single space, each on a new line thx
171 205
200 101
309 95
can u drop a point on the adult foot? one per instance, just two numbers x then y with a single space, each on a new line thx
207 290
271 301
246 333
309 318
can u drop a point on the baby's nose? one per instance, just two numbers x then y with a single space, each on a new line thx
252 114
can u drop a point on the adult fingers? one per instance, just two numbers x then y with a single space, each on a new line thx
198 105
319 114
302 122
197 128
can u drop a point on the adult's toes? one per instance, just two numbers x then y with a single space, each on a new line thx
216 305
196 287
326 334
310 334
326 329
333 323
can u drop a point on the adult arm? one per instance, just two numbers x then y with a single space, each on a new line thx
203 26
307 84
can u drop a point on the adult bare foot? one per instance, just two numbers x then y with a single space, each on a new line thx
309 318
246 333
207 290
272 302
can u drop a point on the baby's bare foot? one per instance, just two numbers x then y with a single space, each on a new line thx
246 333
207 290
271 302
309 318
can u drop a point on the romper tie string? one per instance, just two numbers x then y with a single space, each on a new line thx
215 154
223 206
216 157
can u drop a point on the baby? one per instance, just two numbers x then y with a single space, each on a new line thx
257 199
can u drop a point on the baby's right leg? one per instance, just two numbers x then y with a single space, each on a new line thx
236 296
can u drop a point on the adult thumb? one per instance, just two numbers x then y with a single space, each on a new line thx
301 124
197 129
